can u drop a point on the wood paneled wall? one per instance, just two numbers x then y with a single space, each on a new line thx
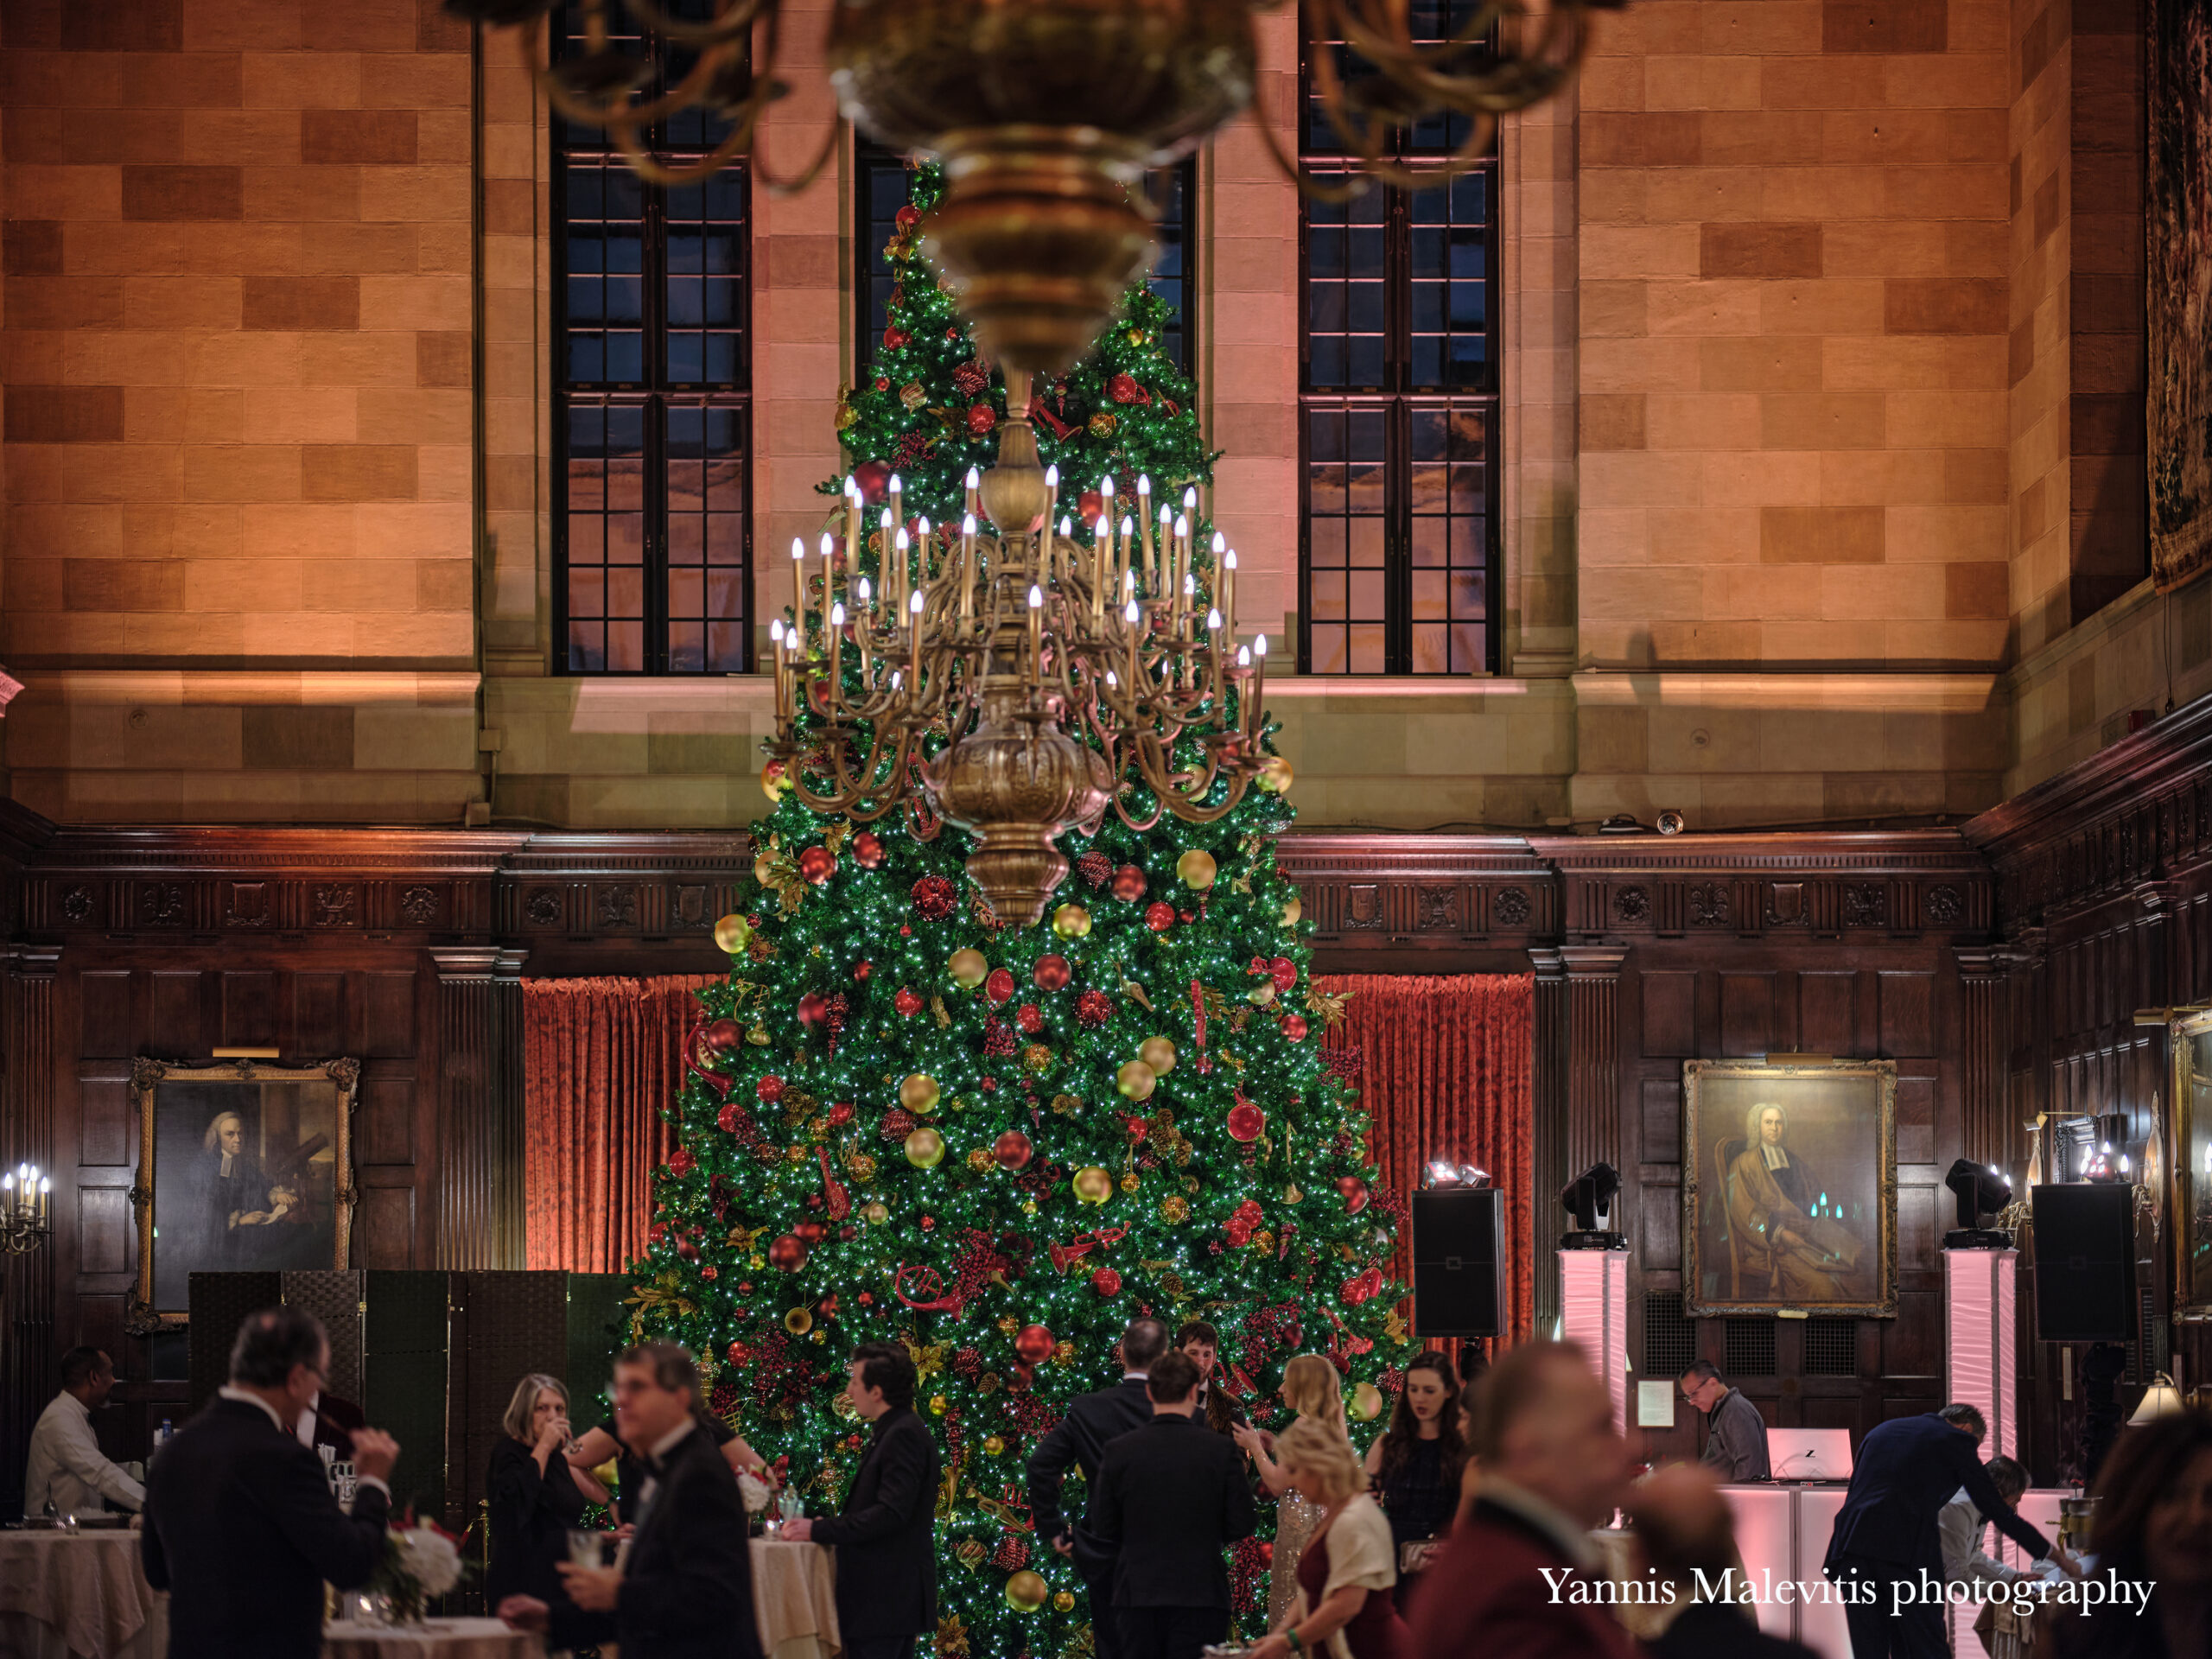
2000 967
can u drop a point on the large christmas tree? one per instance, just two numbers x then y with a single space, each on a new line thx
906 1121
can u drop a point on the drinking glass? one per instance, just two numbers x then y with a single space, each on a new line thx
587 1548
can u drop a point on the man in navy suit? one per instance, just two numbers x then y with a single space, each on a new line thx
1886 1548
1080 1438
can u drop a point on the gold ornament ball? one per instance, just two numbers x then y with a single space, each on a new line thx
912 396
1260 996
1092 1184
917 1093
1103 425
1175 1211
993 1446
819 1335
1131 1181
1026 1592
732 933
1063 1601
862 1166
1039 1059
1367 1402
1136 1080
1071 921
1293 908
775 783
798 1321
980 1160
1275 775
1196 870
1158 1053
966 968
877 1214
1065 1105
936 1404
764 869
925 1148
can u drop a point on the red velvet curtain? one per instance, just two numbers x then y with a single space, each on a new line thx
1443 1072
602 1060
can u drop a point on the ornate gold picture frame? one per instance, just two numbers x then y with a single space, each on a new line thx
1790 1188
2188 1196
241 1166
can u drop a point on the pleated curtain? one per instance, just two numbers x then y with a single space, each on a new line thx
1443 1067
602 1065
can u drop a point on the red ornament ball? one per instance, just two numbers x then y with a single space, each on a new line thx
874 477
813 1008
1159 917
687 1251
818 864
710 1272
1012 1149
681 1163
935 898
1124 388
1295 1027
1093 1009
739 1354
841 1115
788 1253
1284 972
1051 973
896 339
729 1117
1030 1018
982 417
1033 1344
999 986
907 217
1106 1283
1246 1121
721 1036
860 972
770 1088
883 384
867 850
1128 884
1089 505
906 1002
1355 1193
809 1230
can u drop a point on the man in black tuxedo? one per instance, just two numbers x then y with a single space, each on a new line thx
1169 1498
884 1534
241 1528
1885 1535
1081 1438
685 1591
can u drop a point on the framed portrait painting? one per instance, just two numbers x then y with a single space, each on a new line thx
241 1166
1790 1188
2190 1200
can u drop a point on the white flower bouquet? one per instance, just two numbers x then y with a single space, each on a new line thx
420 1560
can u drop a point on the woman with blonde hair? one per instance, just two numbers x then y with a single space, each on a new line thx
534 1496
1347 1570
1310 1389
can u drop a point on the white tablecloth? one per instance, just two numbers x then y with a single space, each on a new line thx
795 1599
81 1594
439 1639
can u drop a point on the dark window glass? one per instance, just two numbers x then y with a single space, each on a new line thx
1399 407
653 378
881 185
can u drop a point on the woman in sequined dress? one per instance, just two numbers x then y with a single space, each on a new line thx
1310 1390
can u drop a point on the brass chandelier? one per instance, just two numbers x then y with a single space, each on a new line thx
1059 670
1047 113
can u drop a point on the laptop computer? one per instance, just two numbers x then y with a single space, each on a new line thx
1809 1454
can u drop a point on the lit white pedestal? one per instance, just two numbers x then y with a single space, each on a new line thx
1981 1368
1593 1315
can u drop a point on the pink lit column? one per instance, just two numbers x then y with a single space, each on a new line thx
1980 1356
1593 1315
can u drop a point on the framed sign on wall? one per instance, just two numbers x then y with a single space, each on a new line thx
1789 1187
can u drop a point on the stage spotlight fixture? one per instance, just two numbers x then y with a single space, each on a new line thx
1982 1189
1442 1173
1583 1197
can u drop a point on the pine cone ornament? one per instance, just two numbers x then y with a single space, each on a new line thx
898 1124
969 378
1013 1553
1095 867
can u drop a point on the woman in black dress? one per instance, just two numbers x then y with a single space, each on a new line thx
1413 1466
535 1496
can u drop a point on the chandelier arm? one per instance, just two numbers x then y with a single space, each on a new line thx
680 97
642 162
739 14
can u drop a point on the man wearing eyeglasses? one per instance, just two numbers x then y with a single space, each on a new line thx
241 1528
1735 1433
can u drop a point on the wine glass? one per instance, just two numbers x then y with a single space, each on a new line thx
587 1548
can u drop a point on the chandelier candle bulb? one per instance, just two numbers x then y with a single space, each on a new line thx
967 556
854 529
914 613
837 640
1122 552
897 491
1229 591
798 586
975 488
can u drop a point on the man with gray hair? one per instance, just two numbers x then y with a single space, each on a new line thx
1735 1433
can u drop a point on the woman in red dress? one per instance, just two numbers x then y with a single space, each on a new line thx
1346 1574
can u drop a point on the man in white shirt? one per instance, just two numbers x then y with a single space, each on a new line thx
67 1470
1959 1527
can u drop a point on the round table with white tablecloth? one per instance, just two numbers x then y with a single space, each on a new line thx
78 1595
436 1638
795 1599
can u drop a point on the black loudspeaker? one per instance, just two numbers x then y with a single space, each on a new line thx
1459 1262
2085 1262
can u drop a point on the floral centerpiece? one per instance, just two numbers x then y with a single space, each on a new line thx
420 1560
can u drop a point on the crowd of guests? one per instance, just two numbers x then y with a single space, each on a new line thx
1464 1527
